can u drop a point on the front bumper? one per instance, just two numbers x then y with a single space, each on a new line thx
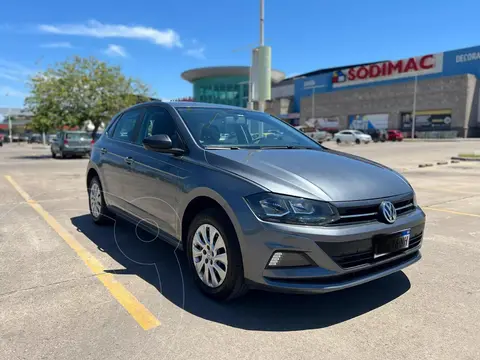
340 282
327 273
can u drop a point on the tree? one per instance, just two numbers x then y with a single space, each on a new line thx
81 89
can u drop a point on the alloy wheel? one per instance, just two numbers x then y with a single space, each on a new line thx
95 200
209 255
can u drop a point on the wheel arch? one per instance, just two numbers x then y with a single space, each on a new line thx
91 174
198 200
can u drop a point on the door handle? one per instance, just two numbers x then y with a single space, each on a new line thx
103 151
128 160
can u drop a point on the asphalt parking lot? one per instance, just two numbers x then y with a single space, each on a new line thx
70 289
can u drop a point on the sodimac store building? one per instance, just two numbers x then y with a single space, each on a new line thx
442 90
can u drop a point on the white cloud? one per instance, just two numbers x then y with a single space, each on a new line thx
167 38
11 92
13 71
115 50
64 44
198 53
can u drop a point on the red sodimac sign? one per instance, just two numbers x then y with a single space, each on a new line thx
389 70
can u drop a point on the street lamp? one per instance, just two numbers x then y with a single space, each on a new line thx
313 98
313 93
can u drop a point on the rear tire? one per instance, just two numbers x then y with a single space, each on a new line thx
96 202
54 155
226 285
357 141
338 141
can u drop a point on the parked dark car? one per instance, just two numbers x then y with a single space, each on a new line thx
282 213
71 143
35 139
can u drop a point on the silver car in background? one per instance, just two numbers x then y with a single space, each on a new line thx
274 211
352 136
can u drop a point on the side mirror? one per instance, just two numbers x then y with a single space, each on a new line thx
161 143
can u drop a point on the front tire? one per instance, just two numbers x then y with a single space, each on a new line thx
214 256
357 141
96 202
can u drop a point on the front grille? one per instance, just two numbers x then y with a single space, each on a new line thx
360 252
369 212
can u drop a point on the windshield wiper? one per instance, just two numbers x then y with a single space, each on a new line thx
287 147
222 148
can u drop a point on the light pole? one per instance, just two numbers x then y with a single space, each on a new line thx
250 82
414 106
313 98
261 104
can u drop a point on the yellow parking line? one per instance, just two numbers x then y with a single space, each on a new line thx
134 307
452 211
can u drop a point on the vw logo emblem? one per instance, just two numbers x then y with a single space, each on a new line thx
388 212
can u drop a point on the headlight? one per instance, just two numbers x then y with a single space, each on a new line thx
415 200
291 210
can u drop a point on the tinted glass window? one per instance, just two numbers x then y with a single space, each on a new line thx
76 136
157 121
125 127
241 128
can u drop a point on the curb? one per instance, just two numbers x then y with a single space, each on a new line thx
458 159
441 140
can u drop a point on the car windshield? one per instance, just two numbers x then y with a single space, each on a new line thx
225 128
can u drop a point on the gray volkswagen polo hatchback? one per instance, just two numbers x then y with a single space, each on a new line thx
253 202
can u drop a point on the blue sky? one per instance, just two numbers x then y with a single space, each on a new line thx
157 40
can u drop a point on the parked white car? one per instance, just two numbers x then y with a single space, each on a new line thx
355 136
317 135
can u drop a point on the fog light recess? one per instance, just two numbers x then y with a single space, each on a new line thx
282 259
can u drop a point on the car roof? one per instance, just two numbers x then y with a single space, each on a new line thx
193 104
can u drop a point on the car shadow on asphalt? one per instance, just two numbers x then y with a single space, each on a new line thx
31 157
166 269
49 156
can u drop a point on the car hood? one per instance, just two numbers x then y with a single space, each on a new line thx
326 175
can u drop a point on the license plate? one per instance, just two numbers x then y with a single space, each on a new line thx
386 244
